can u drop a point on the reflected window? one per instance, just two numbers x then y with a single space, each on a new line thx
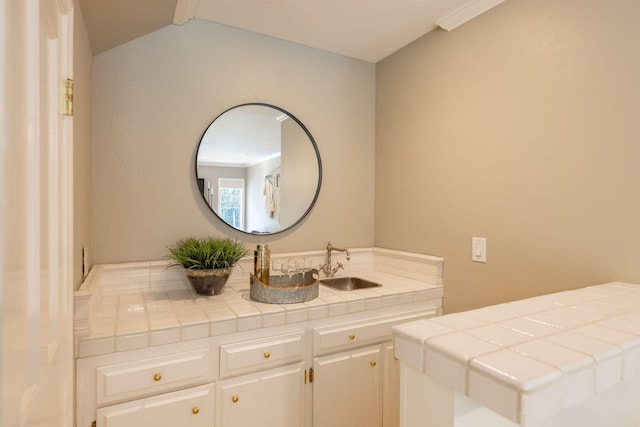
231 201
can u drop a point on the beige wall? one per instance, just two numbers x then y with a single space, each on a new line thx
152 99
82 71
523 127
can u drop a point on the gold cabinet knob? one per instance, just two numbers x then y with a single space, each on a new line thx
235 399
267 355
373 363
157 377
352 337
195 410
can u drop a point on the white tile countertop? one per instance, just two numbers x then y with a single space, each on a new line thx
135 305
527 360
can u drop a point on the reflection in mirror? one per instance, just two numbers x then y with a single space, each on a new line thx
258 168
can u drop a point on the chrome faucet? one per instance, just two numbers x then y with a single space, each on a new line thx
326 268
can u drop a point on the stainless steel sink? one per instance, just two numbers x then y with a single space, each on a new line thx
348 283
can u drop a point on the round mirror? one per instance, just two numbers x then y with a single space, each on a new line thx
258 169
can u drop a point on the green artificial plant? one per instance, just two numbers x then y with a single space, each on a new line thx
207 253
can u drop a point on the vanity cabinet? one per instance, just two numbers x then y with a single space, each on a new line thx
151 352
329 372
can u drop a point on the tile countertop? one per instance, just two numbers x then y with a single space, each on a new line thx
134 305
529 359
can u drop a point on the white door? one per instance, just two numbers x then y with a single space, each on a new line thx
36 286
347 389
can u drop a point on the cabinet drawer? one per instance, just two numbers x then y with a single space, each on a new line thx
192 407
253 355
146 376
353 334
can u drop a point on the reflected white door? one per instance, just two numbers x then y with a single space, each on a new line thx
36 285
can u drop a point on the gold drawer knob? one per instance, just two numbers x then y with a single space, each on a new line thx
352 337
235 399
267 355
195 410
373 363
157 377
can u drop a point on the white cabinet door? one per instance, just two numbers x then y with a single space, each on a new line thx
390 387
347 389
273 398
186 408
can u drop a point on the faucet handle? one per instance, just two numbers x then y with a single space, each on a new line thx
338 267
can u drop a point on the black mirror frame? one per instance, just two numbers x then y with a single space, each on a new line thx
315 148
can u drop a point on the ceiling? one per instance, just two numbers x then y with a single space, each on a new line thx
369 30
242 137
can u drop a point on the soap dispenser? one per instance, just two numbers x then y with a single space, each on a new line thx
261 262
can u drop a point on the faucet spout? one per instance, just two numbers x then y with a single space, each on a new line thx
330 248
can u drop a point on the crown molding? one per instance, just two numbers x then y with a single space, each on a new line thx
185 10
466 13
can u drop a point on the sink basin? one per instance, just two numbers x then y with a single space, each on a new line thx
348 283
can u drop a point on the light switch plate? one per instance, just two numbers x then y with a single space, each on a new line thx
479 249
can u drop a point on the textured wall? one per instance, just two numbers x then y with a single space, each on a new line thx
522 127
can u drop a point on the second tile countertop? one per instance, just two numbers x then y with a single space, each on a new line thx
136 305
528 359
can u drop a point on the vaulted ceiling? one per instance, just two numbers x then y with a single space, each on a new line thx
368 30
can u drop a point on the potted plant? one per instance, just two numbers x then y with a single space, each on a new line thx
208 261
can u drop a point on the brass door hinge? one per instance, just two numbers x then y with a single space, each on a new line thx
93 424
68 98
311 375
